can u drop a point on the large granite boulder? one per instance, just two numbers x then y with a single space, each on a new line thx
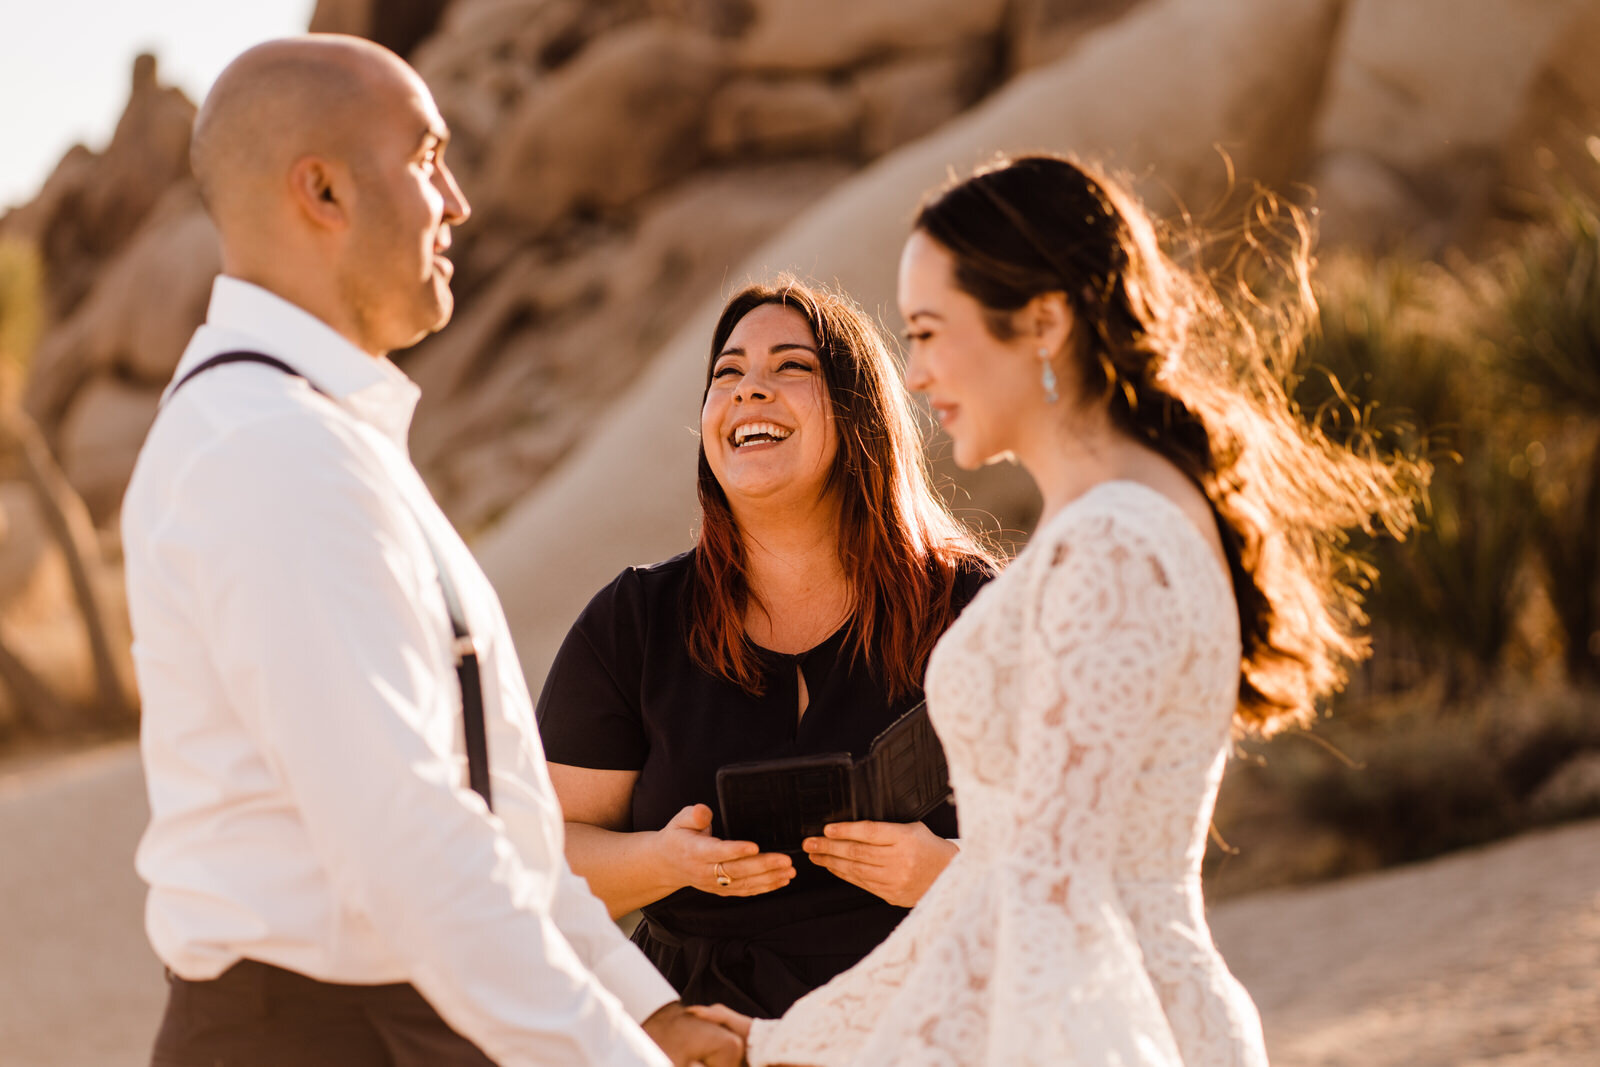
488 56
25 540
755 118
1554 143
134 323
396 24
94 436
1042 31
93 204
836 34
622 120
535 362
1154 92
616 153
905 97
1429 91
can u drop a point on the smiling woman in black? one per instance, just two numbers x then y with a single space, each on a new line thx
800 624
624 695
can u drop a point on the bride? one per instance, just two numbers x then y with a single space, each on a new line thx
1186 580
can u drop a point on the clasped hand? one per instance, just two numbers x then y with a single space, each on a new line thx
688 1037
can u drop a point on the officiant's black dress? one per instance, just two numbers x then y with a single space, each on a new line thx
623 694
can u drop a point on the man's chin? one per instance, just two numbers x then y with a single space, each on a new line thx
441 307
444 300
447 308
426 325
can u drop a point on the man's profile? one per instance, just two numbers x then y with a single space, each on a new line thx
325 888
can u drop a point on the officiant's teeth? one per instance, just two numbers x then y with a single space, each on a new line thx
753 432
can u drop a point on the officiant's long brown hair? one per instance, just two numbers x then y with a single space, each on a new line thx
1194 360
901 548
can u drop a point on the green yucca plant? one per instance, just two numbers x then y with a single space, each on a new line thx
1394 363
1548 315
1378 363
1492 372
1550 310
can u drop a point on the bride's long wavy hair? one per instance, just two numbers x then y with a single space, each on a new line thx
1197 368
901 548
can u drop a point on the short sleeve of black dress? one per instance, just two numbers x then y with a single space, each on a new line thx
589 710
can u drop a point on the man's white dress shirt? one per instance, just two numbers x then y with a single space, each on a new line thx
302 724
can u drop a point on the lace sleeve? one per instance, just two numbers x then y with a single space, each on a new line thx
828 1027
1097 661
1098 658
1022 954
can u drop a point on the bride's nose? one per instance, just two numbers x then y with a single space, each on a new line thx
916 376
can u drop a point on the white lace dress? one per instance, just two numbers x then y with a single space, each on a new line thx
1084 700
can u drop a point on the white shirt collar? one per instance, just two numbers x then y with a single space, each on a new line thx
245 316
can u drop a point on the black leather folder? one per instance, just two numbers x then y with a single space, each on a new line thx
777 803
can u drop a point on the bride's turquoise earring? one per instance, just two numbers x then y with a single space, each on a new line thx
1048 377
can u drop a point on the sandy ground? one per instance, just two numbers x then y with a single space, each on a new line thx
1484 957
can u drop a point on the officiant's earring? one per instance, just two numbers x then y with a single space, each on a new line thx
1047 377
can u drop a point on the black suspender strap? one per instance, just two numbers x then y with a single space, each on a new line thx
462 646
225 358
466 653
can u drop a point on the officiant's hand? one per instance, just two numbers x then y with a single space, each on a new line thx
896 861
702 861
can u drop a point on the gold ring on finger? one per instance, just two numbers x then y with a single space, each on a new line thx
722 876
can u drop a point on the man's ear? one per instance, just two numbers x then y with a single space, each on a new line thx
320 190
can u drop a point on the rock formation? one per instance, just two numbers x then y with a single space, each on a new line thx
93 204
397 24
607 507
631 160
621 156
1421 109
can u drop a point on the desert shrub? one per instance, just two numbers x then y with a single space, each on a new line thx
20 311
1397 780
1418 782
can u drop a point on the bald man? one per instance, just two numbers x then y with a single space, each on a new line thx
322 663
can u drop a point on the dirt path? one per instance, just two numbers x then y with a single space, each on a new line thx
1490 956
79 986
1484 957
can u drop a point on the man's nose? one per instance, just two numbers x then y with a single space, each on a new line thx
456 208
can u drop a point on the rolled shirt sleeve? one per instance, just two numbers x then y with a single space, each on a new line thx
312 597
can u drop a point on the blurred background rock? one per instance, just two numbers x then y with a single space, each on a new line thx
633 161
